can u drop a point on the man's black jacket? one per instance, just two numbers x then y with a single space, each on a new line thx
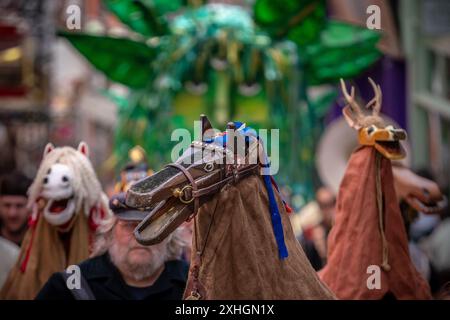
106 282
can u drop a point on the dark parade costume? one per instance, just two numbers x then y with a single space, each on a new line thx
106 283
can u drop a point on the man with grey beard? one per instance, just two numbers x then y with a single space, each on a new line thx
121 268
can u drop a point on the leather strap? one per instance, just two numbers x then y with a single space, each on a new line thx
197 193
218 185
191 181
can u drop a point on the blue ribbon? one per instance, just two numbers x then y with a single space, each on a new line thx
276 219
277 225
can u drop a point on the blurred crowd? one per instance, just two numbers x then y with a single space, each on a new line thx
118 267
121 268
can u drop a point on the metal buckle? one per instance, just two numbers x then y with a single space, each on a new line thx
179 194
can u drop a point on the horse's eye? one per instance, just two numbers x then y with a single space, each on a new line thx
45 180
65 179
371 129
209 167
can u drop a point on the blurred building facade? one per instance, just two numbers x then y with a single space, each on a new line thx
26 36
48 92
80 109
426 39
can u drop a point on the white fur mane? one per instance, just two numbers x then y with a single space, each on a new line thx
87 189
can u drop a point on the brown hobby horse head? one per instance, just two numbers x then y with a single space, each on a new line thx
244 243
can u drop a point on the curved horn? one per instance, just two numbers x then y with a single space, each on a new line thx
350 98
375 103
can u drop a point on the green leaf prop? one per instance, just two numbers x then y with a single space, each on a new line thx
343 51
231 62
297 20
122 60
146 17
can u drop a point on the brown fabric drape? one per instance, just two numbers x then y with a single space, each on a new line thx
47 255
355 242
241 259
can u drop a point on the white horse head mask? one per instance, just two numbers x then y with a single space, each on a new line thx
67 183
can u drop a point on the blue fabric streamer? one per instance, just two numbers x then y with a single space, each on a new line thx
277 225
276 219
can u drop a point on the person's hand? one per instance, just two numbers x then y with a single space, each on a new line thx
420 193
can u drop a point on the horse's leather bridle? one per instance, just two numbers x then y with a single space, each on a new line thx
197 192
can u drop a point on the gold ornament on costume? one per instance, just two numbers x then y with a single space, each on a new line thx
135 170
